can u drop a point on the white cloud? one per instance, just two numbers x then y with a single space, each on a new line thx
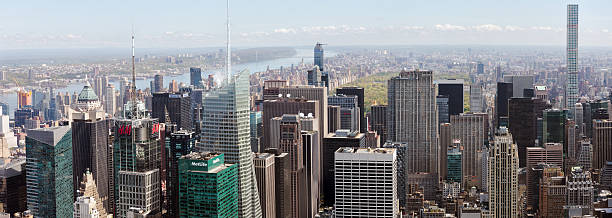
605 31
513 28
542 28
285 30
449 27
487 28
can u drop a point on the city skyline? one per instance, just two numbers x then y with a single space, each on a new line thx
199 24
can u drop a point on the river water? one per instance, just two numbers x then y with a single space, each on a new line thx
301 54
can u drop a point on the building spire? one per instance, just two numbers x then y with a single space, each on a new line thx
133 98
228 59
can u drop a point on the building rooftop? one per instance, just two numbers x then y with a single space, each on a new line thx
49 135
87 94
201 155
366 150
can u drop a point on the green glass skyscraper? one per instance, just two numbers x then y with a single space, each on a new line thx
207 186
49 171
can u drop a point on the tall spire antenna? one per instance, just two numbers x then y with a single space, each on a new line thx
228 59
133 98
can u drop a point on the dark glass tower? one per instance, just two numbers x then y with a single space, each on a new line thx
504 93
454 90
90 144
178 143
195 77
359 92
178 106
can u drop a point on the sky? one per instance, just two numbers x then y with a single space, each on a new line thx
36 24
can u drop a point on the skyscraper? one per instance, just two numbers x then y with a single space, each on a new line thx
331 143
178 106
453 89
453 157
319 60
282 182
477 103
602 143
519 84
265 173
504 93
580 189
522 123
49 171
88 188
554 126
291 143
378 121
158 83
412 118
552 155
281 106
13 195
572 57
195 77
503 176
208 186
225 129
110 100
359 196
472 131
178 143
442 104
90 144
349 110
359 92
552 192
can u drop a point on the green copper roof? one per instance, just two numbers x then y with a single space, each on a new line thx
87 94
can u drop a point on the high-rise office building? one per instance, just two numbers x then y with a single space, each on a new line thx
90 144
552 155
349 110
571 92
178 143
13 196
504 93
256 131
110 100
290 142
552 192
453 88
208 187
312 165
602 143
477 103
319 60
442 104
378 121
333 118
519 84
225 129
85 207
137 161
265 173
281 106
360 93
49 171
195 77
331 143
480 68
472 131
580 189
453 163
282 182
158 83
554 126
177 105
522 124
310 93
412 118
356 194
314 77
503 176
445 142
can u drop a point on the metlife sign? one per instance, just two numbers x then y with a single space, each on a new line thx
199 164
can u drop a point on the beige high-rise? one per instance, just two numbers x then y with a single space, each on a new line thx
503 176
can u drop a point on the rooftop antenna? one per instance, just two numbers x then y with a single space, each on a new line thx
228 59
133 98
